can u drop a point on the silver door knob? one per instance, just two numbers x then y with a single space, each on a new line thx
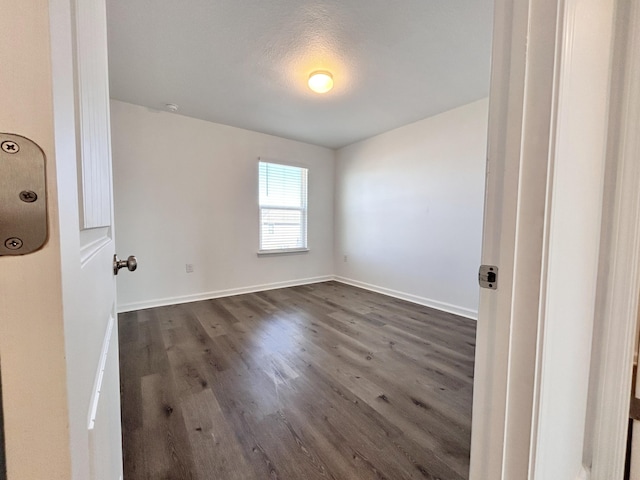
131 263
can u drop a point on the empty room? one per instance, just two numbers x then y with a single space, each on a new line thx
319 239
305 298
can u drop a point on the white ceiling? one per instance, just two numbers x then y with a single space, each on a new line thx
245 63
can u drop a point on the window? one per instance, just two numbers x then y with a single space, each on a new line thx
283 207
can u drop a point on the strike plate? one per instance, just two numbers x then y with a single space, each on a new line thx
488 276
23 196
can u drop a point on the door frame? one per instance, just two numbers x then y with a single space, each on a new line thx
521 106
551 63
619 287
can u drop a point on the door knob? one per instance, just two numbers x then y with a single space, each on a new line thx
131 263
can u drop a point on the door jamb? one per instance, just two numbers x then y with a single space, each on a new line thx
521 114
619 286
493 454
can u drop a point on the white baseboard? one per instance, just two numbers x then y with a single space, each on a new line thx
427 302
161 302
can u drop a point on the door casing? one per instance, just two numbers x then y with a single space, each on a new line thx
549 109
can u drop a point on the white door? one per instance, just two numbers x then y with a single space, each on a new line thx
58 329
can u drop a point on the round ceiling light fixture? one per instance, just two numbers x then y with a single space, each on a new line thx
321 81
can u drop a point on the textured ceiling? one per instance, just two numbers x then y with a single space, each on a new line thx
245 63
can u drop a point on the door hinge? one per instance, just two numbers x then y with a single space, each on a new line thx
23 195
488 276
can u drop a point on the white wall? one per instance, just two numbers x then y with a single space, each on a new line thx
409 206
186 192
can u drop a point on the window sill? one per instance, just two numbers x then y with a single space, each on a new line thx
288 251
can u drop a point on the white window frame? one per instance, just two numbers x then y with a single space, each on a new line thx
304 210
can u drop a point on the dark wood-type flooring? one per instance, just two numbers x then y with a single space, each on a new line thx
323 381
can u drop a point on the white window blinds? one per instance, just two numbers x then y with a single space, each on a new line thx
283 207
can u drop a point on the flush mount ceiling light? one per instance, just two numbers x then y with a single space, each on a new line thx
321 81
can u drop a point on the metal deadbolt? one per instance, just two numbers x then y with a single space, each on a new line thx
131 263
488 276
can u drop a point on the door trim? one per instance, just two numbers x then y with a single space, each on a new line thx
522 109
97 383
619 287
520 355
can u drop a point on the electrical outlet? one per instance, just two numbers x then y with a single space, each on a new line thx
189 267
345 259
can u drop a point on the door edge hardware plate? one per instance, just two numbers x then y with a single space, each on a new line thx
23 196
488 276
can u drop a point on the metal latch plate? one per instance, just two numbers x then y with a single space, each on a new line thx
488 276
23 200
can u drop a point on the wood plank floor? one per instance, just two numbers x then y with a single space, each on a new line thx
323 381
